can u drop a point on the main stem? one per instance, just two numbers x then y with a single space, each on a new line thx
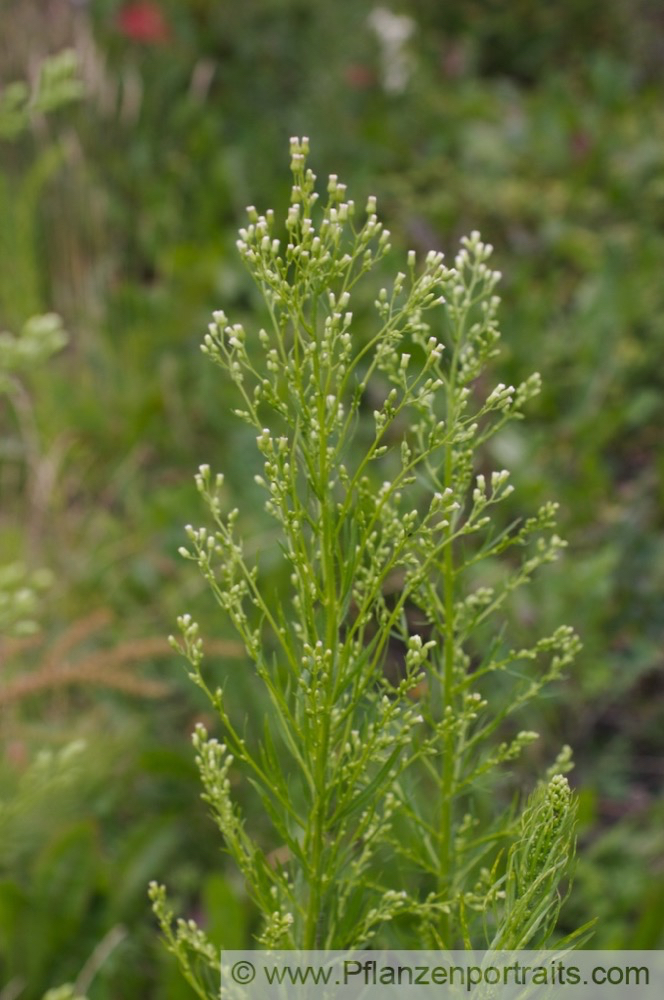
326 541
447 774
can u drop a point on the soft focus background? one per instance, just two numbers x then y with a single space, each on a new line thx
541 125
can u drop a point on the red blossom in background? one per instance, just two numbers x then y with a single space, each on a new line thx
144 22
359 77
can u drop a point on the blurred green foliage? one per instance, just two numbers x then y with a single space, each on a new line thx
541 126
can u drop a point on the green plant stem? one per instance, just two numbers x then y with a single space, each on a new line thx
447 775
326 535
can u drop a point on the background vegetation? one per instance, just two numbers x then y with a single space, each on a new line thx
544 128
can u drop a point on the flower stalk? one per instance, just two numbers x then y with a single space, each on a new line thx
389 683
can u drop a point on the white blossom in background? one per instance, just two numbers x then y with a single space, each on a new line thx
393 32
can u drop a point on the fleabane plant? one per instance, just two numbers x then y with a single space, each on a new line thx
390 682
